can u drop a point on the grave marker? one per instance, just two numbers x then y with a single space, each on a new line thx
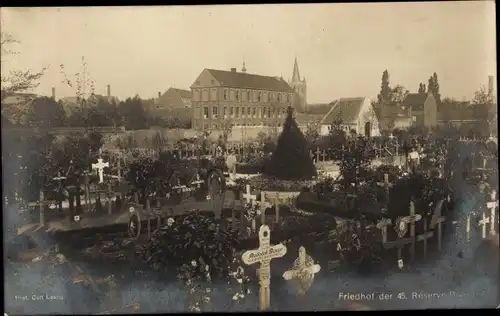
263 255
303 271
317 154
485 220
412 219
492 206
382 225
426 235
467 228
324 155
99 166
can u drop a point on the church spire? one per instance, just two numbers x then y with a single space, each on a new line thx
296 74
244 69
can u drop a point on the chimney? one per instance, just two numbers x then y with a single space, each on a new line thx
491 87
233 69
53 93
159 94
109 91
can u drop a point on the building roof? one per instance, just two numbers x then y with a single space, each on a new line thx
185 94
304 119
415 101
317 109
251 81
344 109
18 98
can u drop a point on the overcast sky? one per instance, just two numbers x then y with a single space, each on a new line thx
342 49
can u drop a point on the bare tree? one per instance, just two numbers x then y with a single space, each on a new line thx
15 80
83 86
482 96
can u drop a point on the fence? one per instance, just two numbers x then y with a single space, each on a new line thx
430 227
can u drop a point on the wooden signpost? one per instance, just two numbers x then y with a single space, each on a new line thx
263 255
492 206
303 271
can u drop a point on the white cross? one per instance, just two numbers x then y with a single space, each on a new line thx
492 205
483 222
100 165
263 255
303 271
317 154
248 196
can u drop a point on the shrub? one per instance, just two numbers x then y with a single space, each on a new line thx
291 160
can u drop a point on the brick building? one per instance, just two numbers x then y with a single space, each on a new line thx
239 98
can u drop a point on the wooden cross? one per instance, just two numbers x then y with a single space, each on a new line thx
467 228
438 219
324 154
317 154
303 271
263 255
277 207
492 205
387 186
426 235
248 196
382 225
485 220
99 166
412 219
263 206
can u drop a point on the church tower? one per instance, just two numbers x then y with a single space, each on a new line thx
300 87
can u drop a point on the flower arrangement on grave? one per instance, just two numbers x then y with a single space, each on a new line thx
290 160
195 237
196 277
356 243
239 282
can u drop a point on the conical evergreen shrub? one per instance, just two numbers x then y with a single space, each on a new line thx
290 160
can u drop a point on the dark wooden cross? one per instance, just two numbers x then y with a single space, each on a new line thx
424 236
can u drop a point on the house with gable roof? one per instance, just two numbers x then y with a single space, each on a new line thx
355 115
423 108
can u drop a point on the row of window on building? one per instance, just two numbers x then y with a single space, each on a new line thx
242 95
215 126
248 112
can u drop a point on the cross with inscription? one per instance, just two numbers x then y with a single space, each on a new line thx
303 271
492 206
263 255
99 166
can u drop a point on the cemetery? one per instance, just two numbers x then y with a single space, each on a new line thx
203 214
